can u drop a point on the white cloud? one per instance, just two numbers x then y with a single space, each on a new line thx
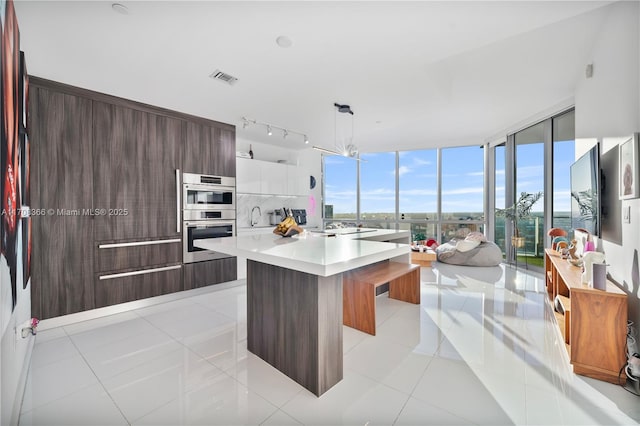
462 191
403 170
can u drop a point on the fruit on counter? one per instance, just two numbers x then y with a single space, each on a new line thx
284 226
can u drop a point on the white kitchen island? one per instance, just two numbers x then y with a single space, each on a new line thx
294 294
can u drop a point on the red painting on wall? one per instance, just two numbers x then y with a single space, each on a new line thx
14 164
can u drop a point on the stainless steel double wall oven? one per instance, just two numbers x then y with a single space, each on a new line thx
208 211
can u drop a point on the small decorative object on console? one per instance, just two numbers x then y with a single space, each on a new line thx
591 258
557 234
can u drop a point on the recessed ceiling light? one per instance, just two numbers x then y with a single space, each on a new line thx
284 42
120 8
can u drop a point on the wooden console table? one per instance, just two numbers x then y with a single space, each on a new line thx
423 258
593 322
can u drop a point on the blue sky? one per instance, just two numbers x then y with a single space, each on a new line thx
462 180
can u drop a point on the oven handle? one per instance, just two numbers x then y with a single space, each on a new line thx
178 201
209 187
197 223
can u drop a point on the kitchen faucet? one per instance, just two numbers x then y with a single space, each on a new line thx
259 214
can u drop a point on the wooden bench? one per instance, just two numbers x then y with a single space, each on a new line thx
359 291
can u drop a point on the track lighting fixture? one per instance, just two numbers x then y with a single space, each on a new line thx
246 122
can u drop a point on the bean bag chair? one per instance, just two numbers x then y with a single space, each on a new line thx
474 250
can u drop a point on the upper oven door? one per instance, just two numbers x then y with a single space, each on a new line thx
208 197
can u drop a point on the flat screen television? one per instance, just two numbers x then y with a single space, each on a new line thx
585 191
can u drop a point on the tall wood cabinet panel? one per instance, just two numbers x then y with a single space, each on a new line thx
62 172
210 149
136 157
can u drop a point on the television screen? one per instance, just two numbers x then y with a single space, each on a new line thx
585 191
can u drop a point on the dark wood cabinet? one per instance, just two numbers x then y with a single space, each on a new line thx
104 170
136 157
61 172
126 286
202 274
137 254
210 149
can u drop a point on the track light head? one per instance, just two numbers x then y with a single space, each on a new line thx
269 132
285 134
306 139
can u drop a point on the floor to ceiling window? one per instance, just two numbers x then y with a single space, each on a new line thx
462 191
529 145
541 156
401 190
563 156
500 194
418 193
435 193
340 181
378 190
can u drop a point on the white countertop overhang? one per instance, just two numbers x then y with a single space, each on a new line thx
314 253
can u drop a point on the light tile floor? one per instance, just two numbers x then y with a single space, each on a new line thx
481 348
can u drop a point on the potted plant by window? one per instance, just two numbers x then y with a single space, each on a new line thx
520 210
419 238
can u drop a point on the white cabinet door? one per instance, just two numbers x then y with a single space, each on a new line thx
297 181
264 177
274 178
248 176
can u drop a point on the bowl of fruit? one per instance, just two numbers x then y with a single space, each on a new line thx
287 228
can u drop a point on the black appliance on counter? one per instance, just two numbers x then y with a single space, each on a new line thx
300 216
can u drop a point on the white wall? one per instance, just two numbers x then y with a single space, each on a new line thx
15 352
607 107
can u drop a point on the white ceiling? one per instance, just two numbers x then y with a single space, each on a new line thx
417 74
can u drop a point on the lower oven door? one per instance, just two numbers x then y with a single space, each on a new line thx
203 229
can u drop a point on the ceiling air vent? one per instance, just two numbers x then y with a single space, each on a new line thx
224 77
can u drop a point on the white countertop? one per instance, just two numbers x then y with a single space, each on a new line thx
314 253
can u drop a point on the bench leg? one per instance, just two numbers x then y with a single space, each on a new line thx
358 305
406 287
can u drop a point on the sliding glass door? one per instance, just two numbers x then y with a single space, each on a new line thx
534 160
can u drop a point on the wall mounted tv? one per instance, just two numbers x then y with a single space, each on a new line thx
585 191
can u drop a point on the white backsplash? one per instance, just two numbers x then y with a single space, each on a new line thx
267 203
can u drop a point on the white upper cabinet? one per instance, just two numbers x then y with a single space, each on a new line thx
264 177
297 181
274 178
247 176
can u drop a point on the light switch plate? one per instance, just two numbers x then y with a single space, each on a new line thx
626 216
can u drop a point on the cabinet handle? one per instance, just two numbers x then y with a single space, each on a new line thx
139 243
178 200
140 272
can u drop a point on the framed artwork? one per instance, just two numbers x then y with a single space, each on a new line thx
23 94
629 185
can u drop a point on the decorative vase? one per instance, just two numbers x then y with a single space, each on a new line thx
517 242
